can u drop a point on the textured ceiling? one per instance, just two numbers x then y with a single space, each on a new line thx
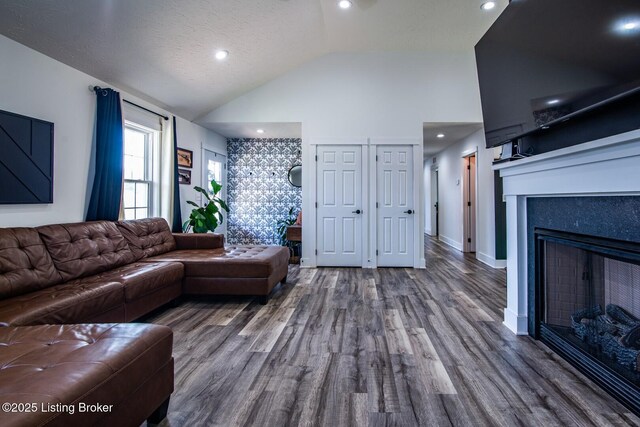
162 50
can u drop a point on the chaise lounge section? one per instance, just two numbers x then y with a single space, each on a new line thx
210 268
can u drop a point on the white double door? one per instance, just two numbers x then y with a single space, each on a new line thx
340 210
395 212
339 206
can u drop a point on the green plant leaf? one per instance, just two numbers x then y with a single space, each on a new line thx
223 204
212 208
215 186
203 191
193 203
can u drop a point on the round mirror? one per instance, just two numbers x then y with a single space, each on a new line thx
295 175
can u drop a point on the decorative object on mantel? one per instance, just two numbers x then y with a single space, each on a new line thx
185 158
209 216
184 176
282 227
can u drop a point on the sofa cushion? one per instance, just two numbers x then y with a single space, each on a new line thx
66 303
147 237
199 241
140 278
85 248
25 264
73 364
233 261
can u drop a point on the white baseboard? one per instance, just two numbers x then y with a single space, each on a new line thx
517 323
306 263
427 231
451 242
491 261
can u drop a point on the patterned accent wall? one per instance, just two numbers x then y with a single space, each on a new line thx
258 190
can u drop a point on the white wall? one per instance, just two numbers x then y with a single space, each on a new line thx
35 85
195 138
450 170
345 96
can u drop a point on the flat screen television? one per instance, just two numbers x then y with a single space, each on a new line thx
546 63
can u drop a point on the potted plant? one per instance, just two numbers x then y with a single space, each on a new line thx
207 217
281 230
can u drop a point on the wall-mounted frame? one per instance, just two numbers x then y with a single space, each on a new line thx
185 158
184 176
26 162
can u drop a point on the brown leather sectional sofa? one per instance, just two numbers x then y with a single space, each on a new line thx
96 272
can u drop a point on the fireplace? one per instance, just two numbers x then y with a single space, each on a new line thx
587 307
590 189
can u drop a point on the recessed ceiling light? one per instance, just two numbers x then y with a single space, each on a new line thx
344 4
629 25
488 5
260 131
553 101
440 135
222 54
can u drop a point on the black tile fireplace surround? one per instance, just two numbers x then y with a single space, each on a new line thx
583 279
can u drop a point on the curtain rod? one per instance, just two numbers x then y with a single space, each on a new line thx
94 88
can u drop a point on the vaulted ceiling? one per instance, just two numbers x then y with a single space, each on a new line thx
163 50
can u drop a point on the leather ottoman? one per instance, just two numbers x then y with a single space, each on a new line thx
85 375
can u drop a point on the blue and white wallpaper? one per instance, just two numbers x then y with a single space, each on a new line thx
258 189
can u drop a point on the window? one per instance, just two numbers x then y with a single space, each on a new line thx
139 144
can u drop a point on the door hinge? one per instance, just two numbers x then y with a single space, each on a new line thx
468 203
376 157
468 167
316 252
469 239
316 205
376 205
316 157
376 252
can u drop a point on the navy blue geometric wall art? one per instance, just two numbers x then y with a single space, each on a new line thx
258 189
26 160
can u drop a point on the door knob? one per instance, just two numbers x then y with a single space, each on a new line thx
408 212
357 211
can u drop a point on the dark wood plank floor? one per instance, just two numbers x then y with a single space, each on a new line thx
358 347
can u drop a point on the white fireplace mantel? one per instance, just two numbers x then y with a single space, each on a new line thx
608 166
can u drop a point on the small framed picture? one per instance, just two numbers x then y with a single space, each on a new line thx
185 158
184 176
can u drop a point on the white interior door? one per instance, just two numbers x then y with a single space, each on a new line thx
395 206
339 205
215 167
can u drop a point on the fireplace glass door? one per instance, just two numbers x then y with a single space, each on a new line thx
590 298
